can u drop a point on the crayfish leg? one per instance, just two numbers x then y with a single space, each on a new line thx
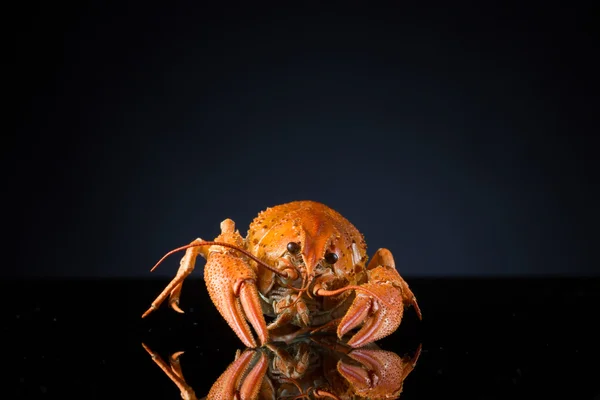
186 266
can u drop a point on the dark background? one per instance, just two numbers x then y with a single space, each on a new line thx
459 138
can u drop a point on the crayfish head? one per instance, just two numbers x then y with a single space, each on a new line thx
327 250
308 240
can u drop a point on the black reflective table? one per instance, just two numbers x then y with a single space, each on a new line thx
480 338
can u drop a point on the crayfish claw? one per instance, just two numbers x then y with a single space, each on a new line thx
355 315
231 284
251 305
378 318
378 305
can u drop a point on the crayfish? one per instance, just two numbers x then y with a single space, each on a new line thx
304 266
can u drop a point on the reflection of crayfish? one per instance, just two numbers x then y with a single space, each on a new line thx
303 265
308 368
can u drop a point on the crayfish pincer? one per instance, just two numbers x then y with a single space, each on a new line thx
303 265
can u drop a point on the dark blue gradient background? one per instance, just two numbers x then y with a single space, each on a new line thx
460 139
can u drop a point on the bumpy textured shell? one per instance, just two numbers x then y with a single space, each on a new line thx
317 228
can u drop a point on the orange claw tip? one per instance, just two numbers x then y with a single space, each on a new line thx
356 315
417 309
148 311
175 306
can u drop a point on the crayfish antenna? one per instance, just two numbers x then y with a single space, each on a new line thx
231 246
173 252
324 292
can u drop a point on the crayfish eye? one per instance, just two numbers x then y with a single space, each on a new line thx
293 247
331 258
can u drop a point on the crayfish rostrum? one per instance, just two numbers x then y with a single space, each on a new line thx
303 265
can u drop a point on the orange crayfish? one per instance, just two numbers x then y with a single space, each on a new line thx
303 265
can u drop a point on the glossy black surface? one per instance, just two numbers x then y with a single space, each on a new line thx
482 339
